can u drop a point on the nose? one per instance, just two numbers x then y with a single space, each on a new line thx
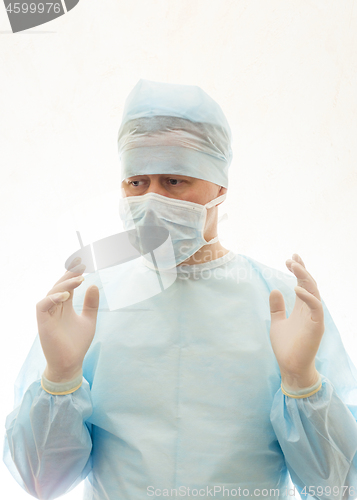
155 186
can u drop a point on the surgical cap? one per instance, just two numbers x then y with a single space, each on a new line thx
174 129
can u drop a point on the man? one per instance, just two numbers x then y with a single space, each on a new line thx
224 384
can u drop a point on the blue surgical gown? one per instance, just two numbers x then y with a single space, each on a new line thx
181 395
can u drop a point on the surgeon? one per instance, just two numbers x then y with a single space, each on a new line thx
219 377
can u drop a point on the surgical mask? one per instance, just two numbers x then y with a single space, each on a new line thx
183 220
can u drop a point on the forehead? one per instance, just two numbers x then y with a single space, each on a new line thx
158 176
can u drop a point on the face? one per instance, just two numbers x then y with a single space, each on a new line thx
178 187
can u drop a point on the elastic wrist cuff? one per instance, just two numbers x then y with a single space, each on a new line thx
61 388
303 393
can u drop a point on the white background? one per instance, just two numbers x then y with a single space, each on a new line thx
285 75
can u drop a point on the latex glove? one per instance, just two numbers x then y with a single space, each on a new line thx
295 340
64 335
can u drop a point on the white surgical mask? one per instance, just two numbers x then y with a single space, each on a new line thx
184 221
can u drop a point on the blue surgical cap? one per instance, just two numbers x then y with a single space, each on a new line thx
174 129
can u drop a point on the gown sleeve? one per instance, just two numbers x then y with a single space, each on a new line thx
47 445
48 440
318 434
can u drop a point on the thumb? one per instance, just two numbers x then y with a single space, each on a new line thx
91 303
277 306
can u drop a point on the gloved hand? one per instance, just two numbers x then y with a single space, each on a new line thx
295 340
64 335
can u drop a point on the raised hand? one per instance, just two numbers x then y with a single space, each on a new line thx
295 340
65 336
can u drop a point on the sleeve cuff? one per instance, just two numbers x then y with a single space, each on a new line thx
303 393
61 388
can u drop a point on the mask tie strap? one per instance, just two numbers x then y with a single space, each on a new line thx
216 201
224 216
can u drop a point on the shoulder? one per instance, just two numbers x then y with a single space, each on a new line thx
271 274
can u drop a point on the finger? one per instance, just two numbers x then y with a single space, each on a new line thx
304 278
75 271
297 259
312 302
277 305
68 285
302 274
51 300
75 262
91 303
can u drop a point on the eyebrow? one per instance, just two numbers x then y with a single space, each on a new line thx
161 175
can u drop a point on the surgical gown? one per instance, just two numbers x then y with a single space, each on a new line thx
181 396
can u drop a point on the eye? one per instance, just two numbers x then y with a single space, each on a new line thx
134 183
176 181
